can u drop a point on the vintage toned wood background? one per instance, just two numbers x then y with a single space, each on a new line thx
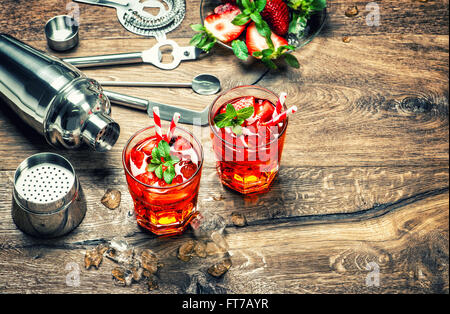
364 175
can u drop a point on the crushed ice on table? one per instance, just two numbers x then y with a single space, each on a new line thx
238 219
351 11
219 239
200 249
111 199
122 276
94 256
213 249
149 261
220 268
185 251
133 264
207 222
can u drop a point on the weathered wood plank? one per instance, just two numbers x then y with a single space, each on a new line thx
409 245
397 17
298 192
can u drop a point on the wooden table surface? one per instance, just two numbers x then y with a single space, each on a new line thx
364 183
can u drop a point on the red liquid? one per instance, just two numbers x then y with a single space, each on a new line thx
249 163
161 207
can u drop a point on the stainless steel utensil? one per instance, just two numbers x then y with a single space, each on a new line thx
166 111
202 84
47 198
61 32
151 56
54 98
132 15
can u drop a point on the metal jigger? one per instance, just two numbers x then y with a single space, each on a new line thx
55 98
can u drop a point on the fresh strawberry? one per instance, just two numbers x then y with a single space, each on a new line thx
219 24
276 14
263 111
256 42
243 102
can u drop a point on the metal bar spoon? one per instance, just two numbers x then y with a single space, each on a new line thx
202 84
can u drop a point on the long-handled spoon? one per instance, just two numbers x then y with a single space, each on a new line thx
202 84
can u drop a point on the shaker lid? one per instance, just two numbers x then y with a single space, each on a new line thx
45 183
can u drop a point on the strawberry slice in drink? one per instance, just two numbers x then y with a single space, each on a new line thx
243 102
148 147
148 178
137 158
263 111
219 24
240 103
181 144
188 169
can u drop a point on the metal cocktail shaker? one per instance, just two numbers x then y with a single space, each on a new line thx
55 98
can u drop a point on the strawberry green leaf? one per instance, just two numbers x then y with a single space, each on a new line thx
267 53
241 19
269 63
318 5
260 5
240 49
291 60
196 39
197 27
257 54
256 17
246 4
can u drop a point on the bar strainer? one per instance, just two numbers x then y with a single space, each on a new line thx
47 198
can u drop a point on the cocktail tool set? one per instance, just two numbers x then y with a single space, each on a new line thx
69 109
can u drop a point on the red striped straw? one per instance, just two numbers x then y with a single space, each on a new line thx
279 105
281 116
173 125
157 120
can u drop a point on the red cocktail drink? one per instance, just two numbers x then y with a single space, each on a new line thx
163 180
247 149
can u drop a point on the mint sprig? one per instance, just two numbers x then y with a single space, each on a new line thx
161 157
301 12
203 39
251 10
233 118
267 55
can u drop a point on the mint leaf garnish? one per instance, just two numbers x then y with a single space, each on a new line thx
159 172
234 119
240 49
162 151
169 174
203 40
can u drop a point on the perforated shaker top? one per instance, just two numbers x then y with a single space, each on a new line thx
44 183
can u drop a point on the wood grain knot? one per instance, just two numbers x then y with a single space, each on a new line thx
425 107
